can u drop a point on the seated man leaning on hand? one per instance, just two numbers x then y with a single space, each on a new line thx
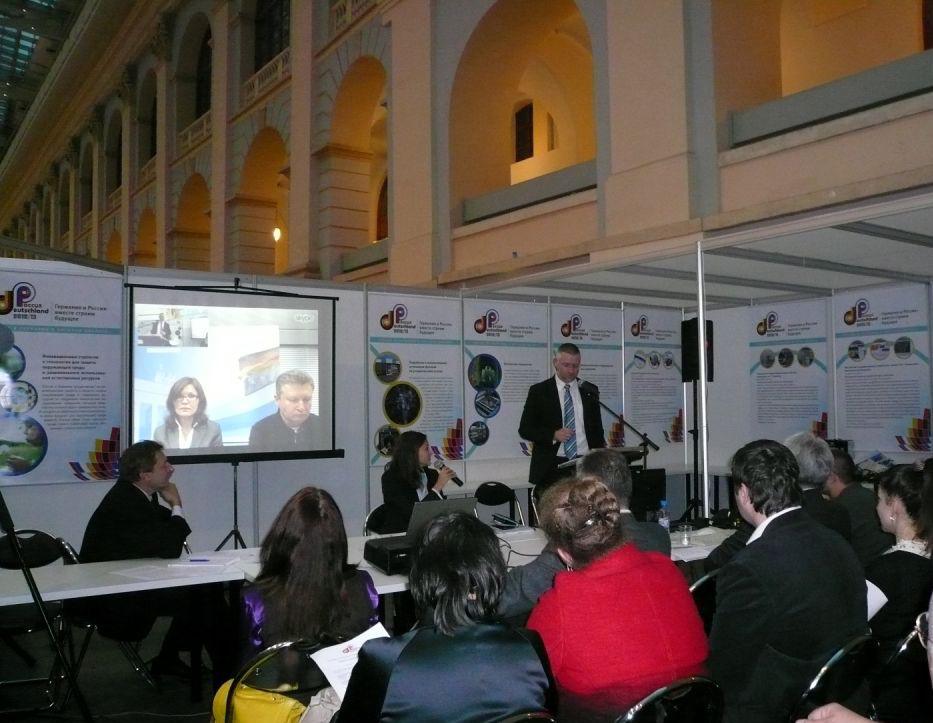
131 523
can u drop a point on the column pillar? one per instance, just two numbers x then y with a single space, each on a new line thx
224 80
344 213
303 241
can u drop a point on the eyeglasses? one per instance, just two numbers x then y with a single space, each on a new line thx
922 628
187 397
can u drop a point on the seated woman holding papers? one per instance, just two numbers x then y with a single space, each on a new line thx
457 666
186 424
620 623
306 590
408 480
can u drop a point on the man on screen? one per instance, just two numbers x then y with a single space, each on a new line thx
292 426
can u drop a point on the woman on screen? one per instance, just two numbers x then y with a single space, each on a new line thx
408 480
458 665
186 424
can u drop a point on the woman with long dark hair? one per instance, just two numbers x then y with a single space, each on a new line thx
408 480
488 670
186 424
305 588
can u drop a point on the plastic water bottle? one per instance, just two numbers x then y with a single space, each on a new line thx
664 519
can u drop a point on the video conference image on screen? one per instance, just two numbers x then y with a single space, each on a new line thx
222 373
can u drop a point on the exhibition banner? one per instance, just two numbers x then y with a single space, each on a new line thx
882 344
505 352
414 373
597 331
789 368
654 392
60 373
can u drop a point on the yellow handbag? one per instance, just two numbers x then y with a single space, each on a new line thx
251 705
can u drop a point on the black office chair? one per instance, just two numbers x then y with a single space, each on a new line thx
281 676
900 685
840 678
519 717
375 520
495 494
689 700
39 549
704 597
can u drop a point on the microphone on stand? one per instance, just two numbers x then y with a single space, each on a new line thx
588 388
439 465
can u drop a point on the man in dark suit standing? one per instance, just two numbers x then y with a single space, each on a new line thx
561 419
785 602
868 539
130 523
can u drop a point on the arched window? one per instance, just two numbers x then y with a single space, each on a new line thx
272 30
382 212
152 130
202 82
524 132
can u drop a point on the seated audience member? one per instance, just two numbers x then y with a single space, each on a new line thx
408 480
868 539
835 713
458 666
130 523
904 573
815 460
786 601
186 425
305 588
526 583
620 622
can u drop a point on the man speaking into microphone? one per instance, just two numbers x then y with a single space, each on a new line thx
561 418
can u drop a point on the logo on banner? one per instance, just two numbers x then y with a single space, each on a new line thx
574 325
859 313
397 316
768 324
17 298
640 326
487 322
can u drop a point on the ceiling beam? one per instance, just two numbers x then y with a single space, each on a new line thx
804 262
646 270
864 228
620 291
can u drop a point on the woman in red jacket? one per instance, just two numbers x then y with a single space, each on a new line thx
620 623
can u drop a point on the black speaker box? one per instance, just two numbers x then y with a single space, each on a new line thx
649 487
689 348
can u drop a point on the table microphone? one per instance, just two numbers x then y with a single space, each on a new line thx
439 464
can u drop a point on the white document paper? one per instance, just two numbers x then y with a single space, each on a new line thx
876 598
336 661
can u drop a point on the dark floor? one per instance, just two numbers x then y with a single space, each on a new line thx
111 688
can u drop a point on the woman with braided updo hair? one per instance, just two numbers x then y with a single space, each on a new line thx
620 622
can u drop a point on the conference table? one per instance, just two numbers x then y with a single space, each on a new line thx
66 582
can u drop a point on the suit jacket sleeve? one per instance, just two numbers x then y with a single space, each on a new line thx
728 548
740 628
524 584
538 423
369 681
592 418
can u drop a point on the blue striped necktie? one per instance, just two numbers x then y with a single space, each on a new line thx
570 446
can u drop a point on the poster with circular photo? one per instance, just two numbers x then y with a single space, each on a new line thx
654 359
487 403
857 350
786 357
903 347
478 433
23 444
18 397
6 338
387 367
484 372
805 356
12 364
880 349
402 404
668 359
385 438
767 358
640 359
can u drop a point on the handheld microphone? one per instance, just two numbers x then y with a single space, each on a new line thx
439 465
588 388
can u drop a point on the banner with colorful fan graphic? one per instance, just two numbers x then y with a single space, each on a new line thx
789 367
60 373
597 331
413 374
505 352
882 351
654 393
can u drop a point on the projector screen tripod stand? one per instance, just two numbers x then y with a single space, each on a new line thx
234 534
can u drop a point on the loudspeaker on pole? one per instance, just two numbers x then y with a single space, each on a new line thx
689 346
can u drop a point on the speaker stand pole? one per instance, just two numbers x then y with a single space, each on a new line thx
693 496
235 532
